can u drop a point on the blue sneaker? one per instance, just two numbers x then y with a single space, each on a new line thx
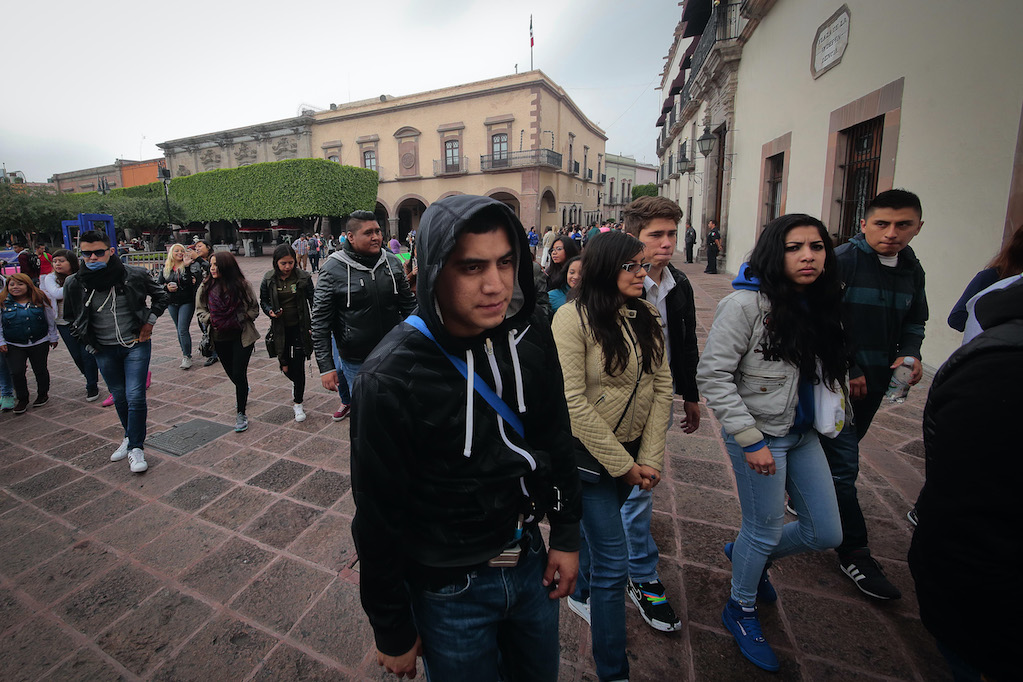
765 590
744 625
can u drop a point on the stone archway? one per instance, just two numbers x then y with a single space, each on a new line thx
410 211
508 199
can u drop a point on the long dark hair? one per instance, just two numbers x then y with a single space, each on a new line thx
803 326
283 251
600 299
1009 260
72 260
556 272
229 280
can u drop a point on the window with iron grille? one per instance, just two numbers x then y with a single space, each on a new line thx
369 160
774 175
862 160
451 156
499 149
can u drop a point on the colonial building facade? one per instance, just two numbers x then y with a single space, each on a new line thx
121 173
620 175
810 107
519 139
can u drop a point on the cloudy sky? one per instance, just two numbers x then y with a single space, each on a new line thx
88 82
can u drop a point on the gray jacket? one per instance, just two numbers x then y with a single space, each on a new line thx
750 396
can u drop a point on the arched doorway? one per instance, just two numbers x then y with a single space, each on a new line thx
410 210
509 200
380 211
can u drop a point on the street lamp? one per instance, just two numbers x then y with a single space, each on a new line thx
705 142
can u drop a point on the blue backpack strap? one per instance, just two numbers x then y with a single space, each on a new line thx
481 386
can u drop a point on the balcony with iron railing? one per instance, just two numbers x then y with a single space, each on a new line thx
545 158
456 166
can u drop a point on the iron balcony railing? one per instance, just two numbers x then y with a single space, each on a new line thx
533 157
455 166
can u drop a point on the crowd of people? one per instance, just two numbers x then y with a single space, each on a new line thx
542 385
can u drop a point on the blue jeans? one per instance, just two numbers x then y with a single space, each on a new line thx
182 315
350 369
803 471
6 383
84 360
495 623
643 554
343 389
124 370
603 571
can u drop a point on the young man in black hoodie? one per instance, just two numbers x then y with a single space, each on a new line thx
450 482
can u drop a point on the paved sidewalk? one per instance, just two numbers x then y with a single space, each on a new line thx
235 561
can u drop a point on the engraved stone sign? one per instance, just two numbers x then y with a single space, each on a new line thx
830 42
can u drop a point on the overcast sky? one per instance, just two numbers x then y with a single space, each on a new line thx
89 82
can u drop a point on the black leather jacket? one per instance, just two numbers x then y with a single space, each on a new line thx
685 354
136 285
358 305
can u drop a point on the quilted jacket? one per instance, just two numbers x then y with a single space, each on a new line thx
596 401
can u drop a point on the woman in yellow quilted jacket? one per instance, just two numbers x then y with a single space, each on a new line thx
619 392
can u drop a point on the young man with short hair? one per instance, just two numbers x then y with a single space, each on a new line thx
884 313
105 304
360 295
461 444
654 221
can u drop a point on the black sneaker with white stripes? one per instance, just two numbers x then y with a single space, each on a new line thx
653 605
868 575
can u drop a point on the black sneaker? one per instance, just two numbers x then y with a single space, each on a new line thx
654 606
210 361
868 575
40 400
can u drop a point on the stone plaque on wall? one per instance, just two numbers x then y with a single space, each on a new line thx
830 42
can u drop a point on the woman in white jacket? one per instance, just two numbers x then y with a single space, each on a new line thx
775 342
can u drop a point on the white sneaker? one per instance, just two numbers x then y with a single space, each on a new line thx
121 452
186 362
580 608
138 460
299 413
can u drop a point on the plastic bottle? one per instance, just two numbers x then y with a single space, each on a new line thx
898 387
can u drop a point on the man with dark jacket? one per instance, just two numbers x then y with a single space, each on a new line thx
884 310
461 444
105 304
690 241
28 262
360 295
654 221
968 529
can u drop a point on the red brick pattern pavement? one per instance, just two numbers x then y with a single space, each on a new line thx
236 561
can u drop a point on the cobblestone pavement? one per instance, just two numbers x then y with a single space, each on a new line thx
235 561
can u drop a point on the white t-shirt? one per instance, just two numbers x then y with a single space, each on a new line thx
658 295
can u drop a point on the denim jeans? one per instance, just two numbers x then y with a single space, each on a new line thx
84 360
802 470
6 383
495 623
124 371
182 315
603 571
343 389
643 554
350 369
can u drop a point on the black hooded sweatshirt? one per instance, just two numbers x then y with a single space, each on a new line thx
439 481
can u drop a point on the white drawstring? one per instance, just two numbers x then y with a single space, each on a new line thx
112 300
349 266
470 391
519 392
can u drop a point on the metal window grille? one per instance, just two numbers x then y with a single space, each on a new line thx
862 161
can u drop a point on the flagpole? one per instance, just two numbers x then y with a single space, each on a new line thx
530 42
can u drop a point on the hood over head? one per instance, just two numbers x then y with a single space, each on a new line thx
441 225
746 279
1001 306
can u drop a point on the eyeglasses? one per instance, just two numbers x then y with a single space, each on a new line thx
630 267
95 252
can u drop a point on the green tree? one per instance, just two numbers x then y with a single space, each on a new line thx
649 190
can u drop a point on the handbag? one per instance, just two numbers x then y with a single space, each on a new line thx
269 340
206 344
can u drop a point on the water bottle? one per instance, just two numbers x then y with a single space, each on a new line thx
898 387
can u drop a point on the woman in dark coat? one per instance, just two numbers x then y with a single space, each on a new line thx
286 296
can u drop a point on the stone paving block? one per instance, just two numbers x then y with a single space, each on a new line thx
141 526
322 488
703 473
152 630
163 474
67 571
11 453
282 523
704 543
816 572
662 529
318 449
227 569
23 469
281 440
823 671
716 657
704 504
179 548
346 505
280 476
29 651
71 449
106 509
318 630
7 502
854 634
920 646
73 495
225 649
85 665
328 543
694 447
34 547
95 459
652 655
237 507
197 492
288 663
45 481
573 635
40 439
12 611
95 606
280 414
279 596
20 520
244 464
210 454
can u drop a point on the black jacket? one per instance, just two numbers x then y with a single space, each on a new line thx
188 283
431 491
135 286
968 528
358 305
685 353
268 301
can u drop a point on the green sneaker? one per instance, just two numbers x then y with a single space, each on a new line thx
7 403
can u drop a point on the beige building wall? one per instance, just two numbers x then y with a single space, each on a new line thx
951 129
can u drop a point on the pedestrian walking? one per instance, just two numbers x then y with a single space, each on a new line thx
227 304
65 264
301 246
286 296
776 345
28 330
315 244
203 253
618 389
563 250
180 276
